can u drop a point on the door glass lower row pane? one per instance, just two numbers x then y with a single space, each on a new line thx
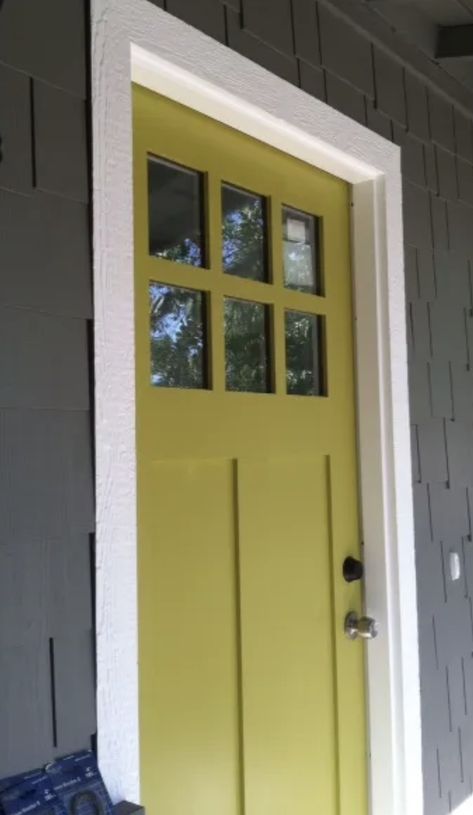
179 344
247 357
178 337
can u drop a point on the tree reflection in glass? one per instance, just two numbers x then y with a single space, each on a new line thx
304 366
178 353
300 250
175 213
244 234
246 346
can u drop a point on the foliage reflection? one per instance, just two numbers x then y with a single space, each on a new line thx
303 354
177 337
246 346
300 251
175 213
243 234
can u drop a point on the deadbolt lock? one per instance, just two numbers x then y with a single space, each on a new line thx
352 569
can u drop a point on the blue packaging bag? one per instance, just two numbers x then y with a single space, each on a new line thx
33 795
77 782
13 780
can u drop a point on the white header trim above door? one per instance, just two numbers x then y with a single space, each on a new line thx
132 39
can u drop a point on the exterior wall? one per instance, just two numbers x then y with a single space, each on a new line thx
46 536
46 498
314 46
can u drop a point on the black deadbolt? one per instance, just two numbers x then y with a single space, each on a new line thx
352 569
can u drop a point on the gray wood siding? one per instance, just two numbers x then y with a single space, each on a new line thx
314 46
47 683
46 651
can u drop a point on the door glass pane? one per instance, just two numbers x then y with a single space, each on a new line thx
178 341
300 248
244 233
175 213
246 346
304 354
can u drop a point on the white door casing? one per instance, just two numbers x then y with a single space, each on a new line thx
133 40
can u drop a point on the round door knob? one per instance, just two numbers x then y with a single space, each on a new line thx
364 627
352 569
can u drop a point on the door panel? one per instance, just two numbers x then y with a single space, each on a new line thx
188 628
287 649
251 697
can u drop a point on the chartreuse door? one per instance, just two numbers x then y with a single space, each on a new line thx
251 696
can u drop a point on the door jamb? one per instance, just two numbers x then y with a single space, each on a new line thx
134 40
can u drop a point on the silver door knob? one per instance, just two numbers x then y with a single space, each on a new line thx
364 627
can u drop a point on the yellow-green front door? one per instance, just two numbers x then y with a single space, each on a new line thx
251 697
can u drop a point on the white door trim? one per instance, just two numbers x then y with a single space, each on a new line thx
466 808
134 39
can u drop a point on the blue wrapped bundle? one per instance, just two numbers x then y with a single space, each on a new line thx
13 780
77 782
32 795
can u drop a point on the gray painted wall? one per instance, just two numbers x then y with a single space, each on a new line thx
312 46
47 704
45 309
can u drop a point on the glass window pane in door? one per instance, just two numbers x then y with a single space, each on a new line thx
178 337
176 216
304 354
301 251
247 362
244 234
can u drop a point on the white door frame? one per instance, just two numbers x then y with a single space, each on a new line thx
134 39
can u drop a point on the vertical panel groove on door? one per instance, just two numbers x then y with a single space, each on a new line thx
328 467
241 737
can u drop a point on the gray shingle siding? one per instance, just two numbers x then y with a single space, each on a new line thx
47 684
45 305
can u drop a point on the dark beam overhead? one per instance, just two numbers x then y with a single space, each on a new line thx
455 42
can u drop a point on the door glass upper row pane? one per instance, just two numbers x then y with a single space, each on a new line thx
177 229
176 213
244 234
301 251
